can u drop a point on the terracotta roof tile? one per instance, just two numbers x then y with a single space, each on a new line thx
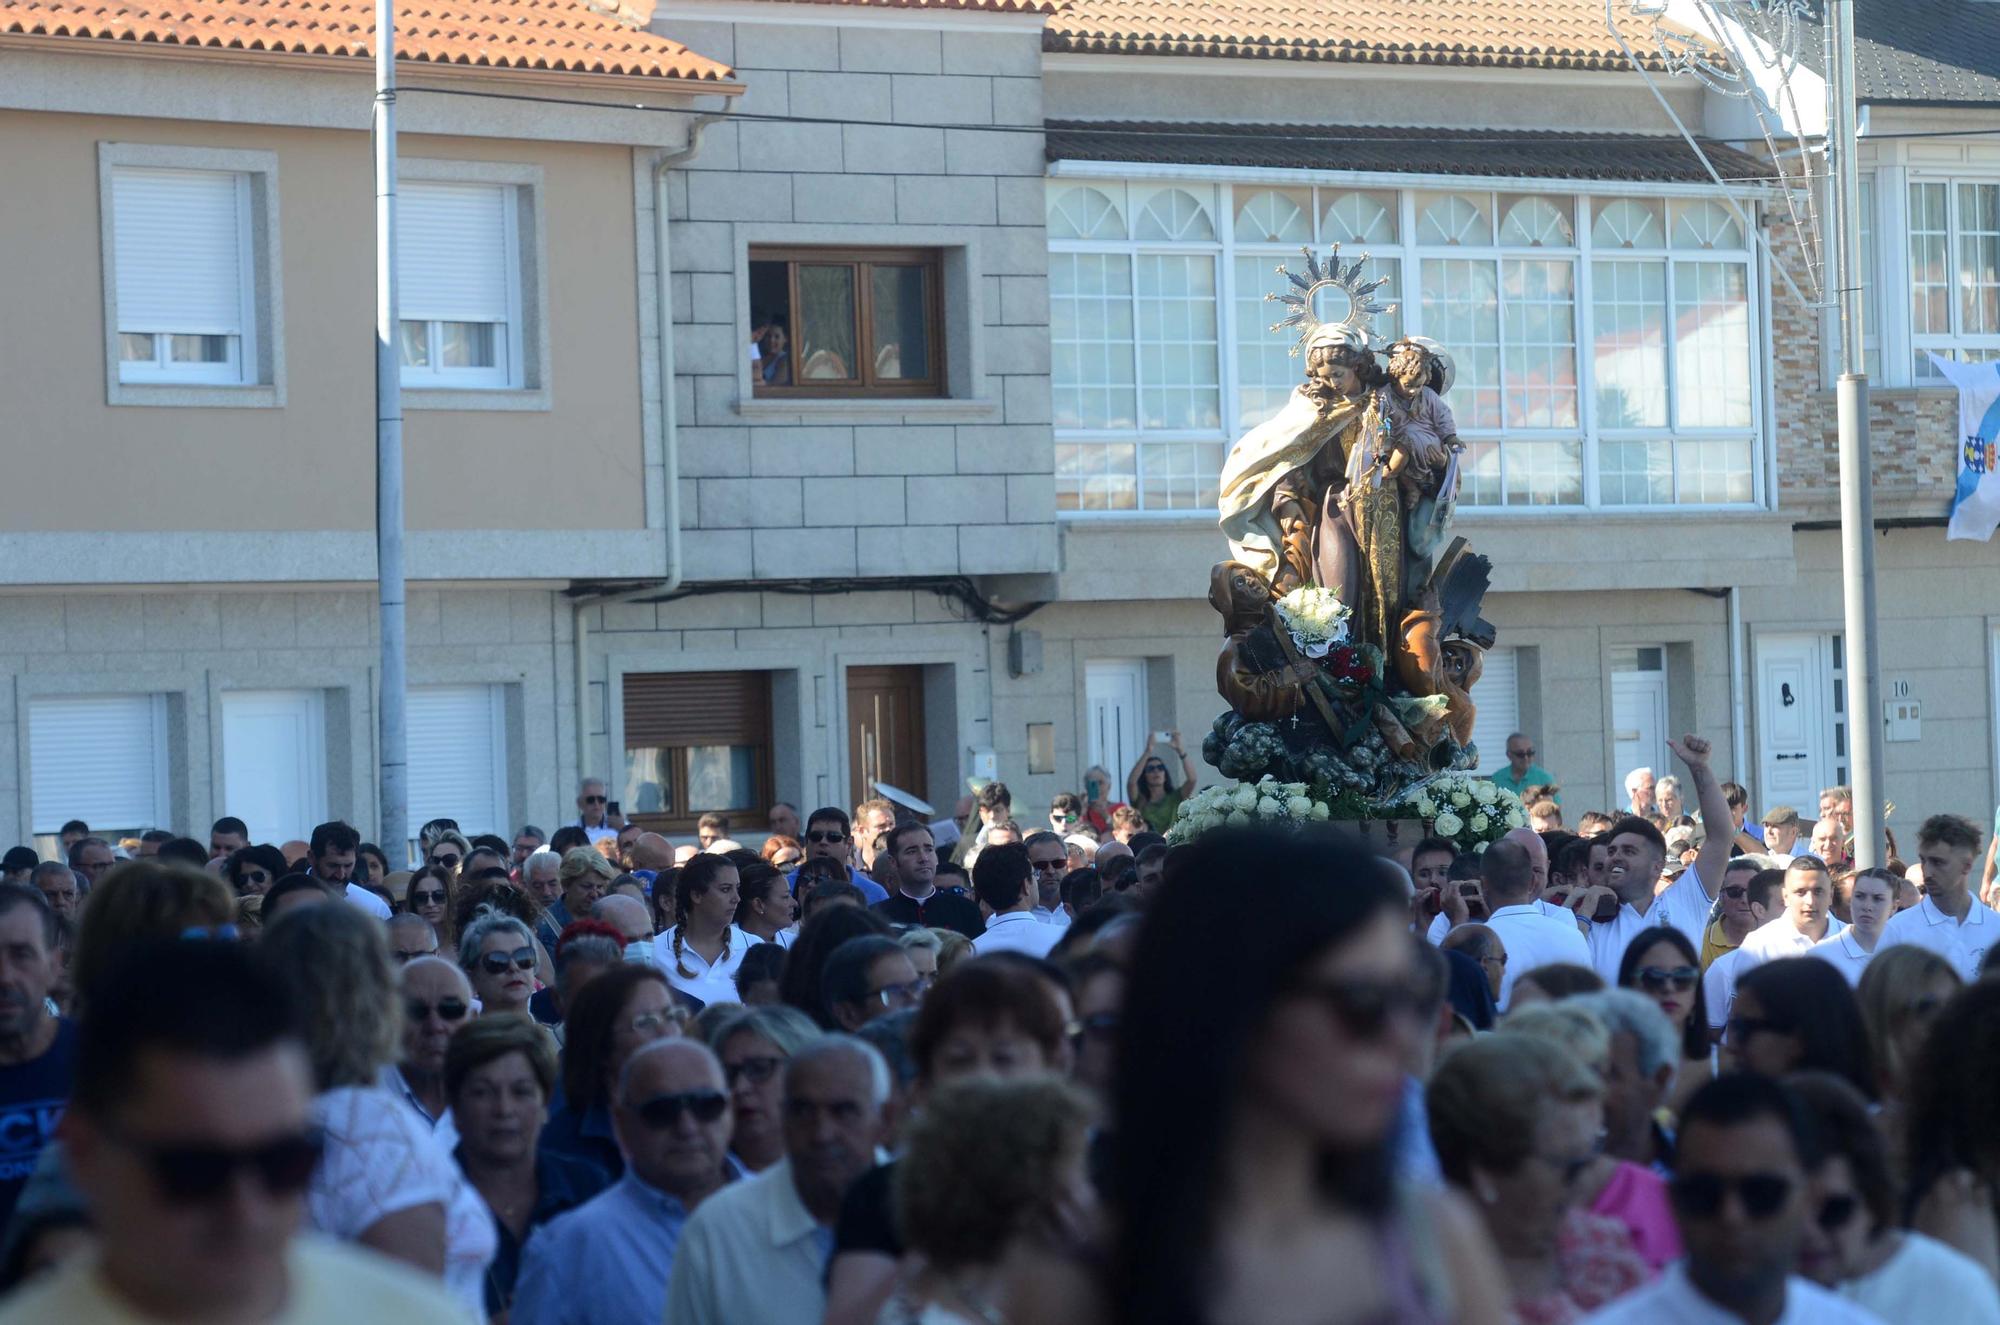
553 35
1531 34
1513 153
989 6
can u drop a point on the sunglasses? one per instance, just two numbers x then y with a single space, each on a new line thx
256 876
1835 1211
902 996
1658 980
496 963
756 1071
1364 1008
447 1009
428 897
1063 817
664 1111
1742 1028
1700 1195
826 835
653 1023
1736 893
199 1174
1520 754
446 860
594 800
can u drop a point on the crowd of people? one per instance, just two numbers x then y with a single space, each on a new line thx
881 1071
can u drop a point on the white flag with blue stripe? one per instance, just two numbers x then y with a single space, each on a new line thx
1975 502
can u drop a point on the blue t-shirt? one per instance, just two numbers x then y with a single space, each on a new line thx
33 1096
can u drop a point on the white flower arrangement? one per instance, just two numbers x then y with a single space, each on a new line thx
1468 812
1267 802
1315 618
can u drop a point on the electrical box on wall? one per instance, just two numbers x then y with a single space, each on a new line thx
1024 653
1902 719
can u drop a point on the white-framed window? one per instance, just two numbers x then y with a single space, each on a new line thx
457 738
459 278
1954 255
184 276
98 758
1603 343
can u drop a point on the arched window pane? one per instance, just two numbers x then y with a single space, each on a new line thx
1361 218
1453 218
1173 214
1077 211
1536 223
1628 223
1271 217
1705 224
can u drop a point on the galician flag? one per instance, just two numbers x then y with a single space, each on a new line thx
1975 503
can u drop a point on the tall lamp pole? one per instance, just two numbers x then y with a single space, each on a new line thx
1857 503
392 745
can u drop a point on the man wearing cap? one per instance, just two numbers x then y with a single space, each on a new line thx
1781 832
18 864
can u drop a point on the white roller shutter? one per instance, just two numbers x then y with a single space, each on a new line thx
98 758
178 247
458 757
1497 702
452 252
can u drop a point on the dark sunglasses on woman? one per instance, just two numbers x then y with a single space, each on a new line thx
1363 1007
496 963
1658 980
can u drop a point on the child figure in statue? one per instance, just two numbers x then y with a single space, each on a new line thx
1425 461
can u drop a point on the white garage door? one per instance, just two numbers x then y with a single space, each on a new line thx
274 762
1497 708
458 757
98 758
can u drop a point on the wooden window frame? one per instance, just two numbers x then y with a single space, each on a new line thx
862 262
682 818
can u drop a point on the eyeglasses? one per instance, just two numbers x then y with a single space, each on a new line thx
1658 980
664 1111
256 876
654 1023
1700 1195
1736 892
594 800
413 954
1363 1007
428 897
446 860
196 1174
754 1070
1835 1211
1521 754
1050 866
906 995
1062 817
826 835
447 1009
1742 1028
496 963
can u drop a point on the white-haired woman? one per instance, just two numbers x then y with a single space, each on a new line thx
498 955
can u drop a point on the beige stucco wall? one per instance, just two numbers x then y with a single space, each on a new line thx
76 463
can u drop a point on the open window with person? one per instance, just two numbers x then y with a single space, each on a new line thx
845 322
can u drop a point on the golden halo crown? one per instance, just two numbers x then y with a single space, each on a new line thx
1362 307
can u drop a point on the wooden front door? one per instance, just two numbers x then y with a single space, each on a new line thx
885 730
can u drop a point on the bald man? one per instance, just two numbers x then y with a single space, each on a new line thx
612 1257
652 852
625 914
411 937
437 989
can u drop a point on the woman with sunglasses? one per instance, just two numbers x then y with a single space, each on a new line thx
498 954
1852 1242
253 869
1661 963
448 850
498 1075
428 894
1150 787
610 1017
385 1182
1798 1015
1252 1165
754 1046
785 854
1516 1121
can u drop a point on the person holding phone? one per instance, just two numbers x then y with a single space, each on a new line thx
1150 787
1097 802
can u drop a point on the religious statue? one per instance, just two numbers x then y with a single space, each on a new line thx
1349 488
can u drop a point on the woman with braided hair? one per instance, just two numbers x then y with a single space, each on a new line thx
704 948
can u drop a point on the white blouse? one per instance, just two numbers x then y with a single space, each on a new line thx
691 973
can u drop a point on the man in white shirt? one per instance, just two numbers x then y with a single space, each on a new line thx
1531 939
1807 918
1003 881
1741 1201
593 812
1050 861
757 1250
1639 785
1950 921
1638 853
1871 903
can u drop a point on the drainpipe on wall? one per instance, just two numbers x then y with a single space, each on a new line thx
669 439
1739 745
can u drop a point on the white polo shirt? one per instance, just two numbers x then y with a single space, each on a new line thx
710 982
1672 1300
1962 943
1718 986
1534 939
1441 923
1682 905
1846 953
1781 938
1017 931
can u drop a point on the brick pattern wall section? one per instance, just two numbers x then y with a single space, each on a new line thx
939 135
1911 430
